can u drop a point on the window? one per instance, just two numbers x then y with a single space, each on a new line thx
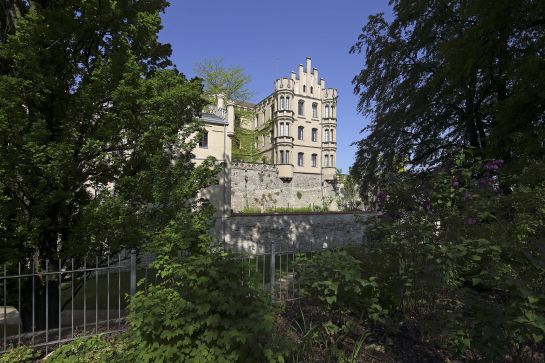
326 111
287 103
314 160
326 160
284 157
311 90
326 135
300 131
301 109
304 88
314 135
300 159
284 129
282 105
331 135
315 110
331 160
203 142
332 114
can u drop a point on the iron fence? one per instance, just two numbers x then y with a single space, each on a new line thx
54 303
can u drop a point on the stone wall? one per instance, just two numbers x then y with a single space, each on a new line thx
291 231
258 186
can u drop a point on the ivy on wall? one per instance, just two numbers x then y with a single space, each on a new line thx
245 140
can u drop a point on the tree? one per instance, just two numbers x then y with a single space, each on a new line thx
95 146
231 82
448 73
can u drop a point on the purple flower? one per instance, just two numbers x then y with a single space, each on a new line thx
483 182
471 221
455 183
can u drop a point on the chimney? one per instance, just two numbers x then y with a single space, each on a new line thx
293 75
230 119
322 83
221 101
315 72
300 71
309 69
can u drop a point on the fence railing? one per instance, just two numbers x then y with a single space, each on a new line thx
53 303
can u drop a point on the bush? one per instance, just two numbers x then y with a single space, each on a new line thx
206 310
335 280
459 257
19 355
87 350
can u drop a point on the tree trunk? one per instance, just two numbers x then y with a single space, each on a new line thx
46 306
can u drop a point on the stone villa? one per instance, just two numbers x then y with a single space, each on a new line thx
295 128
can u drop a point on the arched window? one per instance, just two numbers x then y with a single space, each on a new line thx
326 161
281 133
314 135
326 135
300 132
315 110
314 160
301 108
326 111
287 103
332 109
300 159
332 138
311 90
304 88
282 105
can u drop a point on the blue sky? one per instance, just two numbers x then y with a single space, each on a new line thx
270 39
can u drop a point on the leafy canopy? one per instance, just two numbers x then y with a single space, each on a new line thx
448 73
94 131
231 82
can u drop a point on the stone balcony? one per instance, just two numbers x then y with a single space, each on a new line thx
329 173
285 171
283 140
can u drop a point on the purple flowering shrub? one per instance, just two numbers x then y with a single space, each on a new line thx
459 254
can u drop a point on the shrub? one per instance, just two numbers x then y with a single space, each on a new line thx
206 310
459 257
20 354
88 350
334 279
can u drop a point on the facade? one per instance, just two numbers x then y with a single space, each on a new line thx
295 138
296 125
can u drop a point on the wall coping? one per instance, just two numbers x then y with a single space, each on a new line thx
244 165
299 213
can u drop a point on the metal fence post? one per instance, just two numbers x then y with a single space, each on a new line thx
133 272
273 268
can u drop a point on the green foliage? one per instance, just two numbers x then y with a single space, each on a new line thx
206 310
424 98
20 354
335 280
95 126
88 350
231 82
454 247
251 210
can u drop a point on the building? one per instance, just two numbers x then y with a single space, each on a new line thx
296 125
292 139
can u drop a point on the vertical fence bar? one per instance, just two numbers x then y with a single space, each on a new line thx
133 272
84 295
72 301
273 267
19 304
108 296
119 292
33 299
96 294
60 299
5 307
46 306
